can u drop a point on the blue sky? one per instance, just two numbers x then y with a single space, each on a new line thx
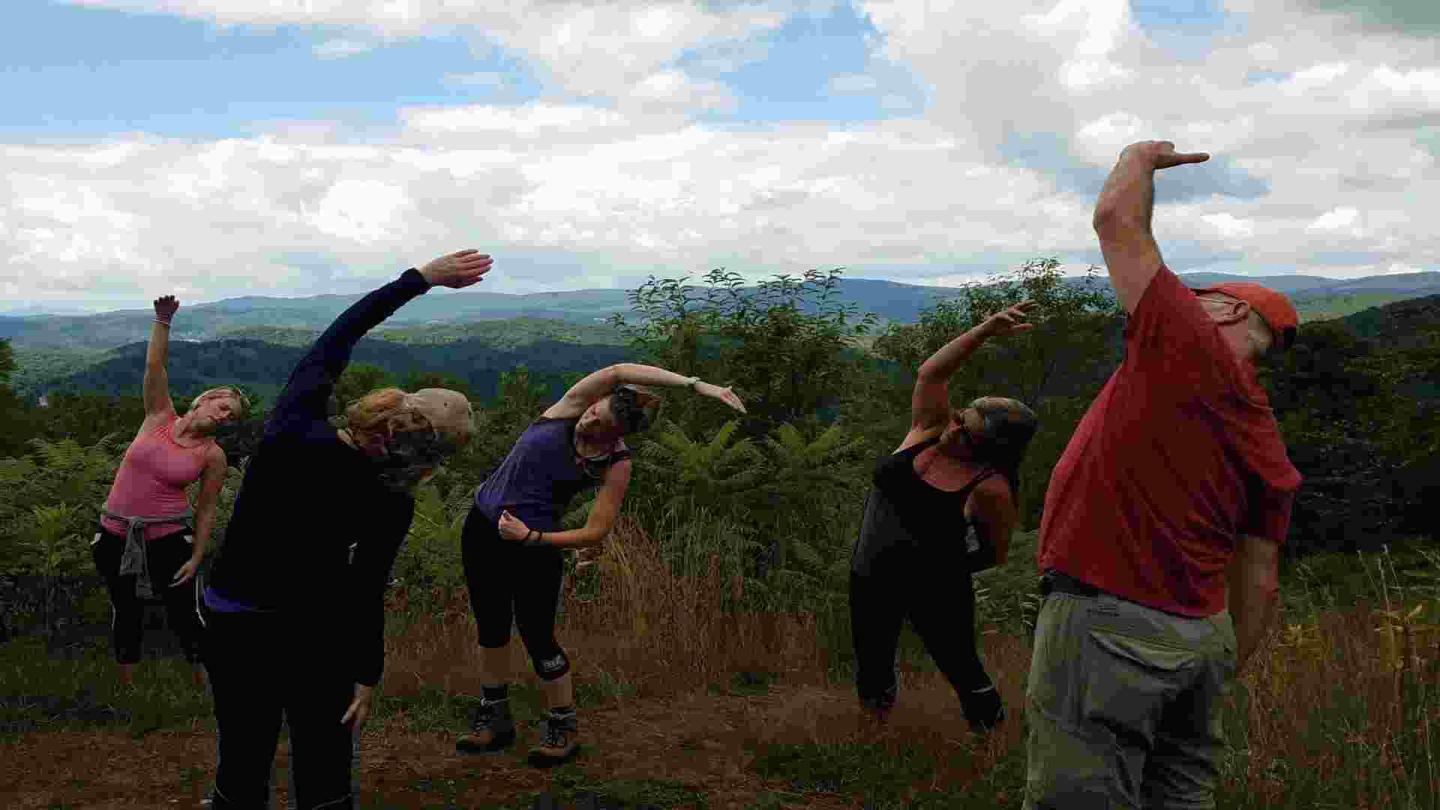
77 72
596 144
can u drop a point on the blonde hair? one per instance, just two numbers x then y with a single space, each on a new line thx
230 390
382 411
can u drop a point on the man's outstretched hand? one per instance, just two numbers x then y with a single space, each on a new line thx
456 270
1161 154
165 308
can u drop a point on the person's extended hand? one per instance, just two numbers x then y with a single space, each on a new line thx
165 307
359 710
511 527
186 572
1162 154
725 395
456 270
1009 321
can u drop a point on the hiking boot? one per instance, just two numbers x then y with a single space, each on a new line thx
558 744
983 709
492 729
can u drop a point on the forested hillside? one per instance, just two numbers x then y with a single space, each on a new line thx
263 367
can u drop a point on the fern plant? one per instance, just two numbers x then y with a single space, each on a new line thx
710 474
809 504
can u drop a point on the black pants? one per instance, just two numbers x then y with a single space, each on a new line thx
932 589
164 555
266 668
510 583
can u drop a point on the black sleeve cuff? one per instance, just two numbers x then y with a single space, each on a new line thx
412 281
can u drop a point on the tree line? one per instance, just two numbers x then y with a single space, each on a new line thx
776 494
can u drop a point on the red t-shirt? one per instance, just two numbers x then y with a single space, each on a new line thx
1178 456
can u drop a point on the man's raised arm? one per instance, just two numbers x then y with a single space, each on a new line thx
1122 216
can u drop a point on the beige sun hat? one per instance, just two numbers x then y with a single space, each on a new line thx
447 411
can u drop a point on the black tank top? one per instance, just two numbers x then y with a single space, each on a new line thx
904 513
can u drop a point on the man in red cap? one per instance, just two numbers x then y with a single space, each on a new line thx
1160 538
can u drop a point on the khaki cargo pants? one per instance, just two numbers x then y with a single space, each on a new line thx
1124 705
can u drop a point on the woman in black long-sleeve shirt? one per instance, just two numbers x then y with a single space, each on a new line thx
294 606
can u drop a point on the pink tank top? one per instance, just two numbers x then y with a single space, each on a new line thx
152 479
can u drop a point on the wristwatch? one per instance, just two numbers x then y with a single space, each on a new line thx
692 382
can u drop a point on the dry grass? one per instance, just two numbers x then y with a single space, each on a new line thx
1340 710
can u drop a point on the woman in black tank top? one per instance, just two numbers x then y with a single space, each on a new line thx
942 506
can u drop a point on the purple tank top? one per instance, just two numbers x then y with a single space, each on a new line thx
537 481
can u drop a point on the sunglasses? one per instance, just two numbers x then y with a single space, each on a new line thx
958 417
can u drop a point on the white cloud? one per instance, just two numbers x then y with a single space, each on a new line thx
612 171
673 91
342 48
1336 219
1230 226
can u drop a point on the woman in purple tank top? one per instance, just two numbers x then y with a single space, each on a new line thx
513 539
150 540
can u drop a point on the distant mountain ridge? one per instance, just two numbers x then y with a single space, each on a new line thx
262 367
890 300
476 353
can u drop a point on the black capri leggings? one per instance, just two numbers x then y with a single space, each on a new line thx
510 583
164 556
934 591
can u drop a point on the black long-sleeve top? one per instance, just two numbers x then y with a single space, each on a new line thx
307 497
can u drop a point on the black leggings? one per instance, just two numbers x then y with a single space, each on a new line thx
511 583
164 555
266 668
932 589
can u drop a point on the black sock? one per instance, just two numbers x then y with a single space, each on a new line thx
495 694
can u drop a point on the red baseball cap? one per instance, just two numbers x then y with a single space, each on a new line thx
1274 307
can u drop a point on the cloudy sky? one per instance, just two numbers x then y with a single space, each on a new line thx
292 147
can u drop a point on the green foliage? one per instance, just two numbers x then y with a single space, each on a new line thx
39 692
428 565
417 380
885 778
701 474
48 545
807 503
511 333
53 497
1320 308
1072 349
87 418
34 367
16 421
1359 405
1007 597
781 344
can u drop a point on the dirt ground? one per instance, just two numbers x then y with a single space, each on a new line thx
705 742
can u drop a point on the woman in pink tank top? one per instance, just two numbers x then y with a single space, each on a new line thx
150 541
